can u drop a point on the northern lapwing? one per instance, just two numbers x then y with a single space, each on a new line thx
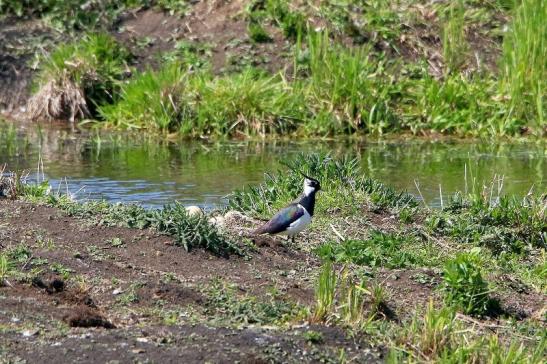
295 217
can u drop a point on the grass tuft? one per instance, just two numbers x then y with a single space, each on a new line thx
341 184
151 99
379 250
190 231
463 284
195 104
223 301
76 78
523 63
455 45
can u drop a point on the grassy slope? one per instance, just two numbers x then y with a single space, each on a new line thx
396 66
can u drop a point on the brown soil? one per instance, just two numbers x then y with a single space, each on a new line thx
90 301
20 41
80 318
220 26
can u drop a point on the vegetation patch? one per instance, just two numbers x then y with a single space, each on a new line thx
502 224
371 285
195 104
224 303
76 78
379 250
464 286
440 335
341 184
190 231
344 298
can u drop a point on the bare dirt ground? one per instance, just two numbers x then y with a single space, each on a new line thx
81 317
95 294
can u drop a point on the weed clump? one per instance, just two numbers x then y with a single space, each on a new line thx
379 250
523 63
151 99
78 77
440 336
190 231
347 89
222 301
507 224
278 12
341 298
196 104
463 284
341 181
258 34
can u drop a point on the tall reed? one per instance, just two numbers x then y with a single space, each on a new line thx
455 45
524 62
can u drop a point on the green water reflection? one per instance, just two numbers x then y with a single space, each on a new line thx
144 169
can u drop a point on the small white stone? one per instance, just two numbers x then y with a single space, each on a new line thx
194 211
116 292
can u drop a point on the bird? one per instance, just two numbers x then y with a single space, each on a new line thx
296 216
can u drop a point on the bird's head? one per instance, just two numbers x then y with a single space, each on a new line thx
310 185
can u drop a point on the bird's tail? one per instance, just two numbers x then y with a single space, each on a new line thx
258 231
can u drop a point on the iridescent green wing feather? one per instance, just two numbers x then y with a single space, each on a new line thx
282 220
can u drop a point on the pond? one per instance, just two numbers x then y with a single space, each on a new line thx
153 172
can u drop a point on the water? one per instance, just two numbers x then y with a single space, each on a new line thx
153 172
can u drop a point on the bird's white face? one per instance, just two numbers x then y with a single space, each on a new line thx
310 186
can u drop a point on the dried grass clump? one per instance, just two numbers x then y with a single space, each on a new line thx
59 99
78 77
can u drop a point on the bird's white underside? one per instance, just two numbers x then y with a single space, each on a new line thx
299 224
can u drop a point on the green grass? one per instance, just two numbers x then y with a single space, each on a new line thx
463 285
190 231
347 89
351 72
379 250
325 291
69 15
151 99
6 267
277 12
455 44
225 305
523 63
94 66
439 336
337 90
456 105
174 7
504 224
249 103
341 183
347 299
258 34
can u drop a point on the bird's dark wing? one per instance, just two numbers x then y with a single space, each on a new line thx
281 221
